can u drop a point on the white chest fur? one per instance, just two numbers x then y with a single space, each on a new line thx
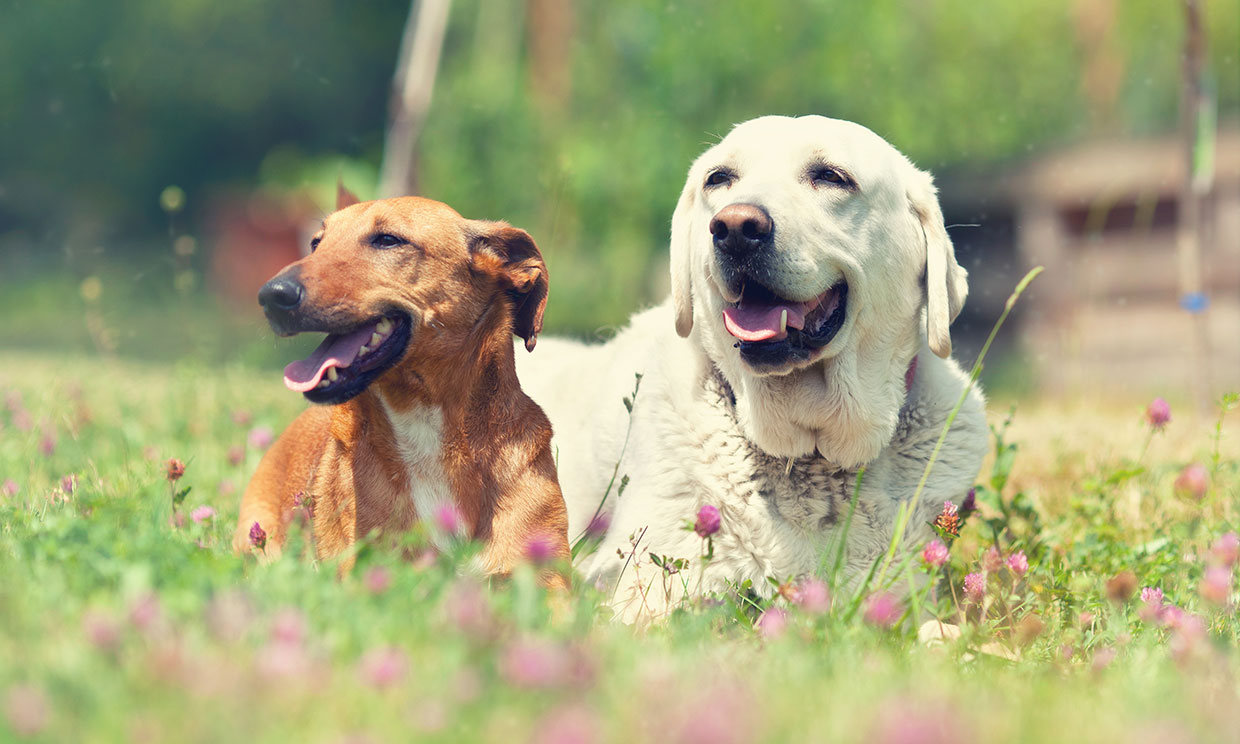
419 439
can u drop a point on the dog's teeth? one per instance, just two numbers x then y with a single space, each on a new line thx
783 321
324 383
384 326
363 351
376 339
332 374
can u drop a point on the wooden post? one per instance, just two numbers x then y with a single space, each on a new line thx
1198 180
412 87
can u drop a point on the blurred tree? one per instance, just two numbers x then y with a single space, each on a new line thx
576 120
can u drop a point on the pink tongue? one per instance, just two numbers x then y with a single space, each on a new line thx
335 351
761 322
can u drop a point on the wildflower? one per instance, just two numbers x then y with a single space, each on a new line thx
10 488
1152 595
258 536
1085 619
448 519
1226 550
935 553
22 420
1158 413
47 443
773 622
241 417
201 514
1192 481
598 526
377 579
882 609
969 505
101 629
383 668
260 437
227 487
571 723
26 708
145 612
992 561
288 661
811 595
719 713
1187 633
1018 563
466 608
68 484
975 587
288 627
708 521
236 455
176 469
1103 658
948 519
905 722
534 663
304 503
1216 584
1151 605
540 549
1120 587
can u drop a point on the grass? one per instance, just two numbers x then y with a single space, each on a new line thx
117 625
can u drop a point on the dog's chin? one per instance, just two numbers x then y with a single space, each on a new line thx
353 380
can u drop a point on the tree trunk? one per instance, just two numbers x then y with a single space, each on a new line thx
412 88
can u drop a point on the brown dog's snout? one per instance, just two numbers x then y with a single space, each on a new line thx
281 294
740 229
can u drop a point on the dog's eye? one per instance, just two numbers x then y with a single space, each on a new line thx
386 240
824 174
720 177
314 243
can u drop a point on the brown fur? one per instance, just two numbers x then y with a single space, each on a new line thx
468 286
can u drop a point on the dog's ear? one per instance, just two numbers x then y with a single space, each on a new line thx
682 259
344 197
522 272
947 282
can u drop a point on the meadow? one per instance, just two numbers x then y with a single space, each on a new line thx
1093 585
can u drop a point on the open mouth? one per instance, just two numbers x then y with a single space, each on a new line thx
346 363
772 331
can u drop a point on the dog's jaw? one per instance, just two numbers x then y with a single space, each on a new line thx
824 407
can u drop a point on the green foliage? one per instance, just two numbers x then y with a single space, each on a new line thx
108 104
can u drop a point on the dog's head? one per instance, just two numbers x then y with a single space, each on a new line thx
808 255
402 279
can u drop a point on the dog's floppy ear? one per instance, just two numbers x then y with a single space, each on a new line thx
682 260
522 272
947 283
344 197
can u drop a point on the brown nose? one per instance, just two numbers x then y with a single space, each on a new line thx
740 229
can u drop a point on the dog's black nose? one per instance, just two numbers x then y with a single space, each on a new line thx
281 293
740 229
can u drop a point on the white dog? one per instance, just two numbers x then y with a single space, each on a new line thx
813 283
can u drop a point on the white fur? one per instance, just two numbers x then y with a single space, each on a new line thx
776 451
419 438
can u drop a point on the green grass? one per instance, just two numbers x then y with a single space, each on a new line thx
117 626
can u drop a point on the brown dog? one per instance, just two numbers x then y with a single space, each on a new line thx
424 409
